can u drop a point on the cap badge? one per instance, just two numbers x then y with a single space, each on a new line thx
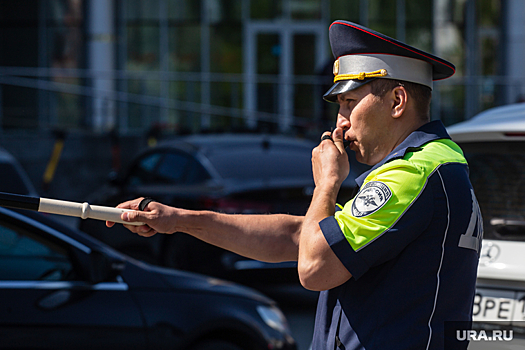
336 67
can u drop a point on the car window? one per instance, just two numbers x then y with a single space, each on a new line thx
257 164
25 256
177 168
143 171
168 168
497 172
195 173
172 168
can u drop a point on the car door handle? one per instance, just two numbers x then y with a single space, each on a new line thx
55 299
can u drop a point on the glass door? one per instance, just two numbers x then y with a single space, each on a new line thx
280 65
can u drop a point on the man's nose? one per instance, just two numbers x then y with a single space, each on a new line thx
342 120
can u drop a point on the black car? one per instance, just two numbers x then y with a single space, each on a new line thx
231 173
61 289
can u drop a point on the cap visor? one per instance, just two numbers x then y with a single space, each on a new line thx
344 86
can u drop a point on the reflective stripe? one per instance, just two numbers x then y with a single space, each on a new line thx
440 263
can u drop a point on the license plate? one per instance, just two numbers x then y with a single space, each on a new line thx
501 306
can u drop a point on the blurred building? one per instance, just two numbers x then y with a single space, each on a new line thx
181 66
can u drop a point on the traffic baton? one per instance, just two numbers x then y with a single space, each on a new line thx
54 206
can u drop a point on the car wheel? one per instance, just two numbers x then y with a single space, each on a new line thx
216 345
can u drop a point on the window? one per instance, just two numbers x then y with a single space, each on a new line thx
177 168
143 171
43 34
19 25
497 174
196 174
26 256
172 168
168 168
250 164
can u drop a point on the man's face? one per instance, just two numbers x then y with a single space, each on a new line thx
364 117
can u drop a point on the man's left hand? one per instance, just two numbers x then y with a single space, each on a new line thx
330 164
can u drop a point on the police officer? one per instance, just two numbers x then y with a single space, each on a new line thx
397 262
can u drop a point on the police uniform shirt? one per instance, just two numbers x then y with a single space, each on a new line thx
410 238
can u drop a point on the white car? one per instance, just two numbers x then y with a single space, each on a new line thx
494 145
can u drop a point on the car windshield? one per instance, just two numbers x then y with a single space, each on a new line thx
497 172
262 164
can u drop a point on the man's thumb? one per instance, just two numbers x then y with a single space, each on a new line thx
337 136
133 216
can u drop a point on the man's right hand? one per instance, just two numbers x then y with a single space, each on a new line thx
156 216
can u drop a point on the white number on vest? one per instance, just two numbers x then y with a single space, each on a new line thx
468 239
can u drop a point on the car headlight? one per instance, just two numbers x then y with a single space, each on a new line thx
273 317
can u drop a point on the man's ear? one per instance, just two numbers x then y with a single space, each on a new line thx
399 101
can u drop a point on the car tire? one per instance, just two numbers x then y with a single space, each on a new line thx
216 345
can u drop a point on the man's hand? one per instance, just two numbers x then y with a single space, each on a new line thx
330 164
318 266
157 218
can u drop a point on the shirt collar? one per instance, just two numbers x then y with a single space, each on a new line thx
431 131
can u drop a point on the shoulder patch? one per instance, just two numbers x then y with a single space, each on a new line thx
370 198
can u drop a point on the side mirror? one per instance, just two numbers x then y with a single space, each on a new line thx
103 268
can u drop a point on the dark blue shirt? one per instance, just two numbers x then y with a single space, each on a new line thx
410 238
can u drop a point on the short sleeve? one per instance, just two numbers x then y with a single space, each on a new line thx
368 229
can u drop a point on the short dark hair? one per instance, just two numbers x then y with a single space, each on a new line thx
422 94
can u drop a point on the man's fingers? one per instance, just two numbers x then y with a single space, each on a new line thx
338 137
134 216
326 136
133 204
144 230
148 233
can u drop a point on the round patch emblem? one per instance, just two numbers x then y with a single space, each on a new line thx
370 198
